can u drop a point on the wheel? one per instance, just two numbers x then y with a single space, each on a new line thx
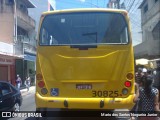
16 107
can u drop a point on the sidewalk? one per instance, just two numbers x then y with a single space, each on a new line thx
25 92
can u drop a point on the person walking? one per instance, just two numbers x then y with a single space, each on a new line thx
148 97
27 83
138 76
156 83
18 82
144 74
139 83
144 71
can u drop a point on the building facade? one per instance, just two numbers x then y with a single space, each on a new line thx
115 4
41 6
17 40
150 22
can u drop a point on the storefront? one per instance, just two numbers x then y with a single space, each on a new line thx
7 68
30 66
26 67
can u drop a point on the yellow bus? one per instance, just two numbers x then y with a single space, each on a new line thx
85 60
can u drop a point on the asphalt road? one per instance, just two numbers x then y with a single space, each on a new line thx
29 105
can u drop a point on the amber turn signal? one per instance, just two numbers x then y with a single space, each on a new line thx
129 76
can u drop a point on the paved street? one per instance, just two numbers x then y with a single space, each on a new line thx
29 105
28 100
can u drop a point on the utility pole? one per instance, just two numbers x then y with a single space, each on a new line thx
15 21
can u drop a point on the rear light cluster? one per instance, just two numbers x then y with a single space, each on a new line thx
125 91
127 83
39 76
44 91
41 83
129 76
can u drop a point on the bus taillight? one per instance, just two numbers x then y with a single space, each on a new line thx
129 76
125 91
44 91
127 84
41 84
39 76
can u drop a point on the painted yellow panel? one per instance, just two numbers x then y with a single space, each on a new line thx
102 69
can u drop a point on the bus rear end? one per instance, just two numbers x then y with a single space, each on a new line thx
85 60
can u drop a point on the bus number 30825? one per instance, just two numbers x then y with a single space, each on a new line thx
104 93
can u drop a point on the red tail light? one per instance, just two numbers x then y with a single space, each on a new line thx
41 84
127 84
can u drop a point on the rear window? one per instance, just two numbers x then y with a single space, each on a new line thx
84 28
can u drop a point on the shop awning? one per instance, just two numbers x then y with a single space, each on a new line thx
30 57
142 61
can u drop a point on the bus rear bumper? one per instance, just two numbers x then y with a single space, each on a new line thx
84 103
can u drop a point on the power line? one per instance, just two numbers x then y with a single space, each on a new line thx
85 3
127 5
124 1
136 6
131 5
136 23
135 20
73 3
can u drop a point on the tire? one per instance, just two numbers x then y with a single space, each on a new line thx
16 107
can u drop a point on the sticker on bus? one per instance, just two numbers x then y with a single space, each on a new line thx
54 91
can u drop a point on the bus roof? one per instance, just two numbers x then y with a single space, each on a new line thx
86 9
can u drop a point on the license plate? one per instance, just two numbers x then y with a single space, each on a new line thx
83 86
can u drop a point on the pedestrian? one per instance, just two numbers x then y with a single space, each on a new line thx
27 83
156 75
148 98
135 107
138 75
144 72
138 82
18 82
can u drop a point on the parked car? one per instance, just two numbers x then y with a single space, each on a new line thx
10 97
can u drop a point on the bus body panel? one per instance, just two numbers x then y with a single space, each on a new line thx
85 103
85 77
